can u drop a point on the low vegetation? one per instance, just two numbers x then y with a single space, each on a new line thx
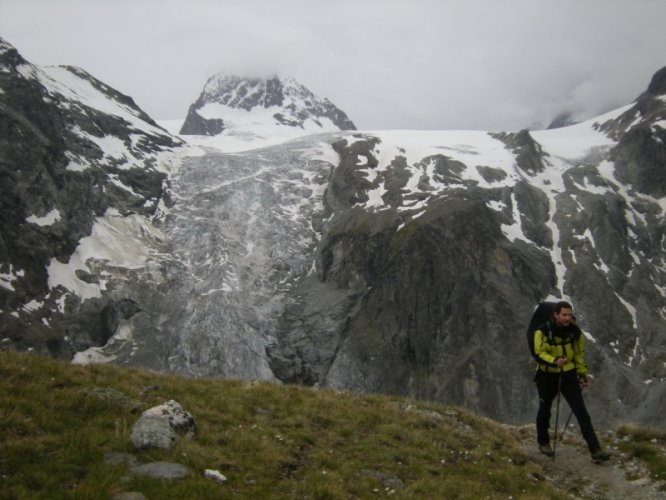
648 446
58 421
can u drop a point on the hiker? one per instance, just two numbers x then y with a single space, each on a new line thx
560 347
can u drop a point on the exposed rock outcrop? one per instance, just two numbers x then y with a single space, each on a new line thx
72 149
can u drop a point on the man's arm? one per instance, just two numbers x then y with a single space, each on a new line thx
579 360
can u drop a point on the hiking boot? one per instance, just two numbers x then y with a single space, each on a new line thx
546 450
599 455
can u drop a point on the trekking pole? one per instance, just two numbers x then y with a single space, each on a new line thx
566 425
557 415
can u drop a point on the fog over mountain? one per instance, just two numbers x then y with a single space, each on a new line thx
285 248
427 64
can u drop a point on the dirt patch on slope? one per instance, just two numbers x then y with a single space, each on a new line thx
573 472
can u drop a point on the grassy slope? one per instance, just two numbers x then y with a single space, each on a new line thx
270 441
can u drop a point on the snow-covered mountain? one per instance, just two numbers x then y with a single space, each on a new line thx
402 262
232 105
84 171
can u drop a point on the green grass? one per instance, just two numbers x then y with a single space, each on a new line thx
270 441
648 446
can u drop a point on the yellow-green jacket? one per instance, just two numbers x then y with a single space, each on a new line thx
570 347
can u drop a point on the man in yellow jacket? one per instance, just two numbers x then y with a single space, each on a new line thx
560 347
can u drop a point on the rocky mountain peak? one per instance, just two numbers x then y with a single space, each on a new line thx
658 83
230 102
247 93
6 47
10 59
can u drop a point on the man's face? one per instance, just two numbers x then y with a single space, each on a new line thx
563 318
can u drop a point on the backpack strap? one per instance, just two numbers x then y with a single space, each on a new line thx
547 329
571 338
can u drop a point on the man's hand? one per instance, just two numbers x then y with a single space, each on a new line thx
582 380
560 362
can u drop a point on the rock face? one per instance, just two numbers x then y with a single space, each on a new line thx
71 150
228 101
401 262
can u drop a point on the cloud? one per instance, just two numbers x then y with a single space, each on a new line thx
475 64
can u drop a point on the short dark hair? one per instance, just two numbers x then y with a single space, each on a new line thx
562 304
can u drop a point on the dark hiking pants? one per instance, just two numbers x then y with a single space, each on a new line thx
547 385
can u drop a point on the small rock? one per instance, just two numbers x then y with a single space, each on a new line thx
387 480
129 495
180 420
161 470
158 427
115 398
118 458
215 475
153 432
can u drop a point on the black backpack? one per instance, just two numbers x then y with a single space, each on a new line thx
542 318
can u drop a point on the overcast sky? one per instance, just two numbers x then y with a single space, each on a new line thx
412 64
